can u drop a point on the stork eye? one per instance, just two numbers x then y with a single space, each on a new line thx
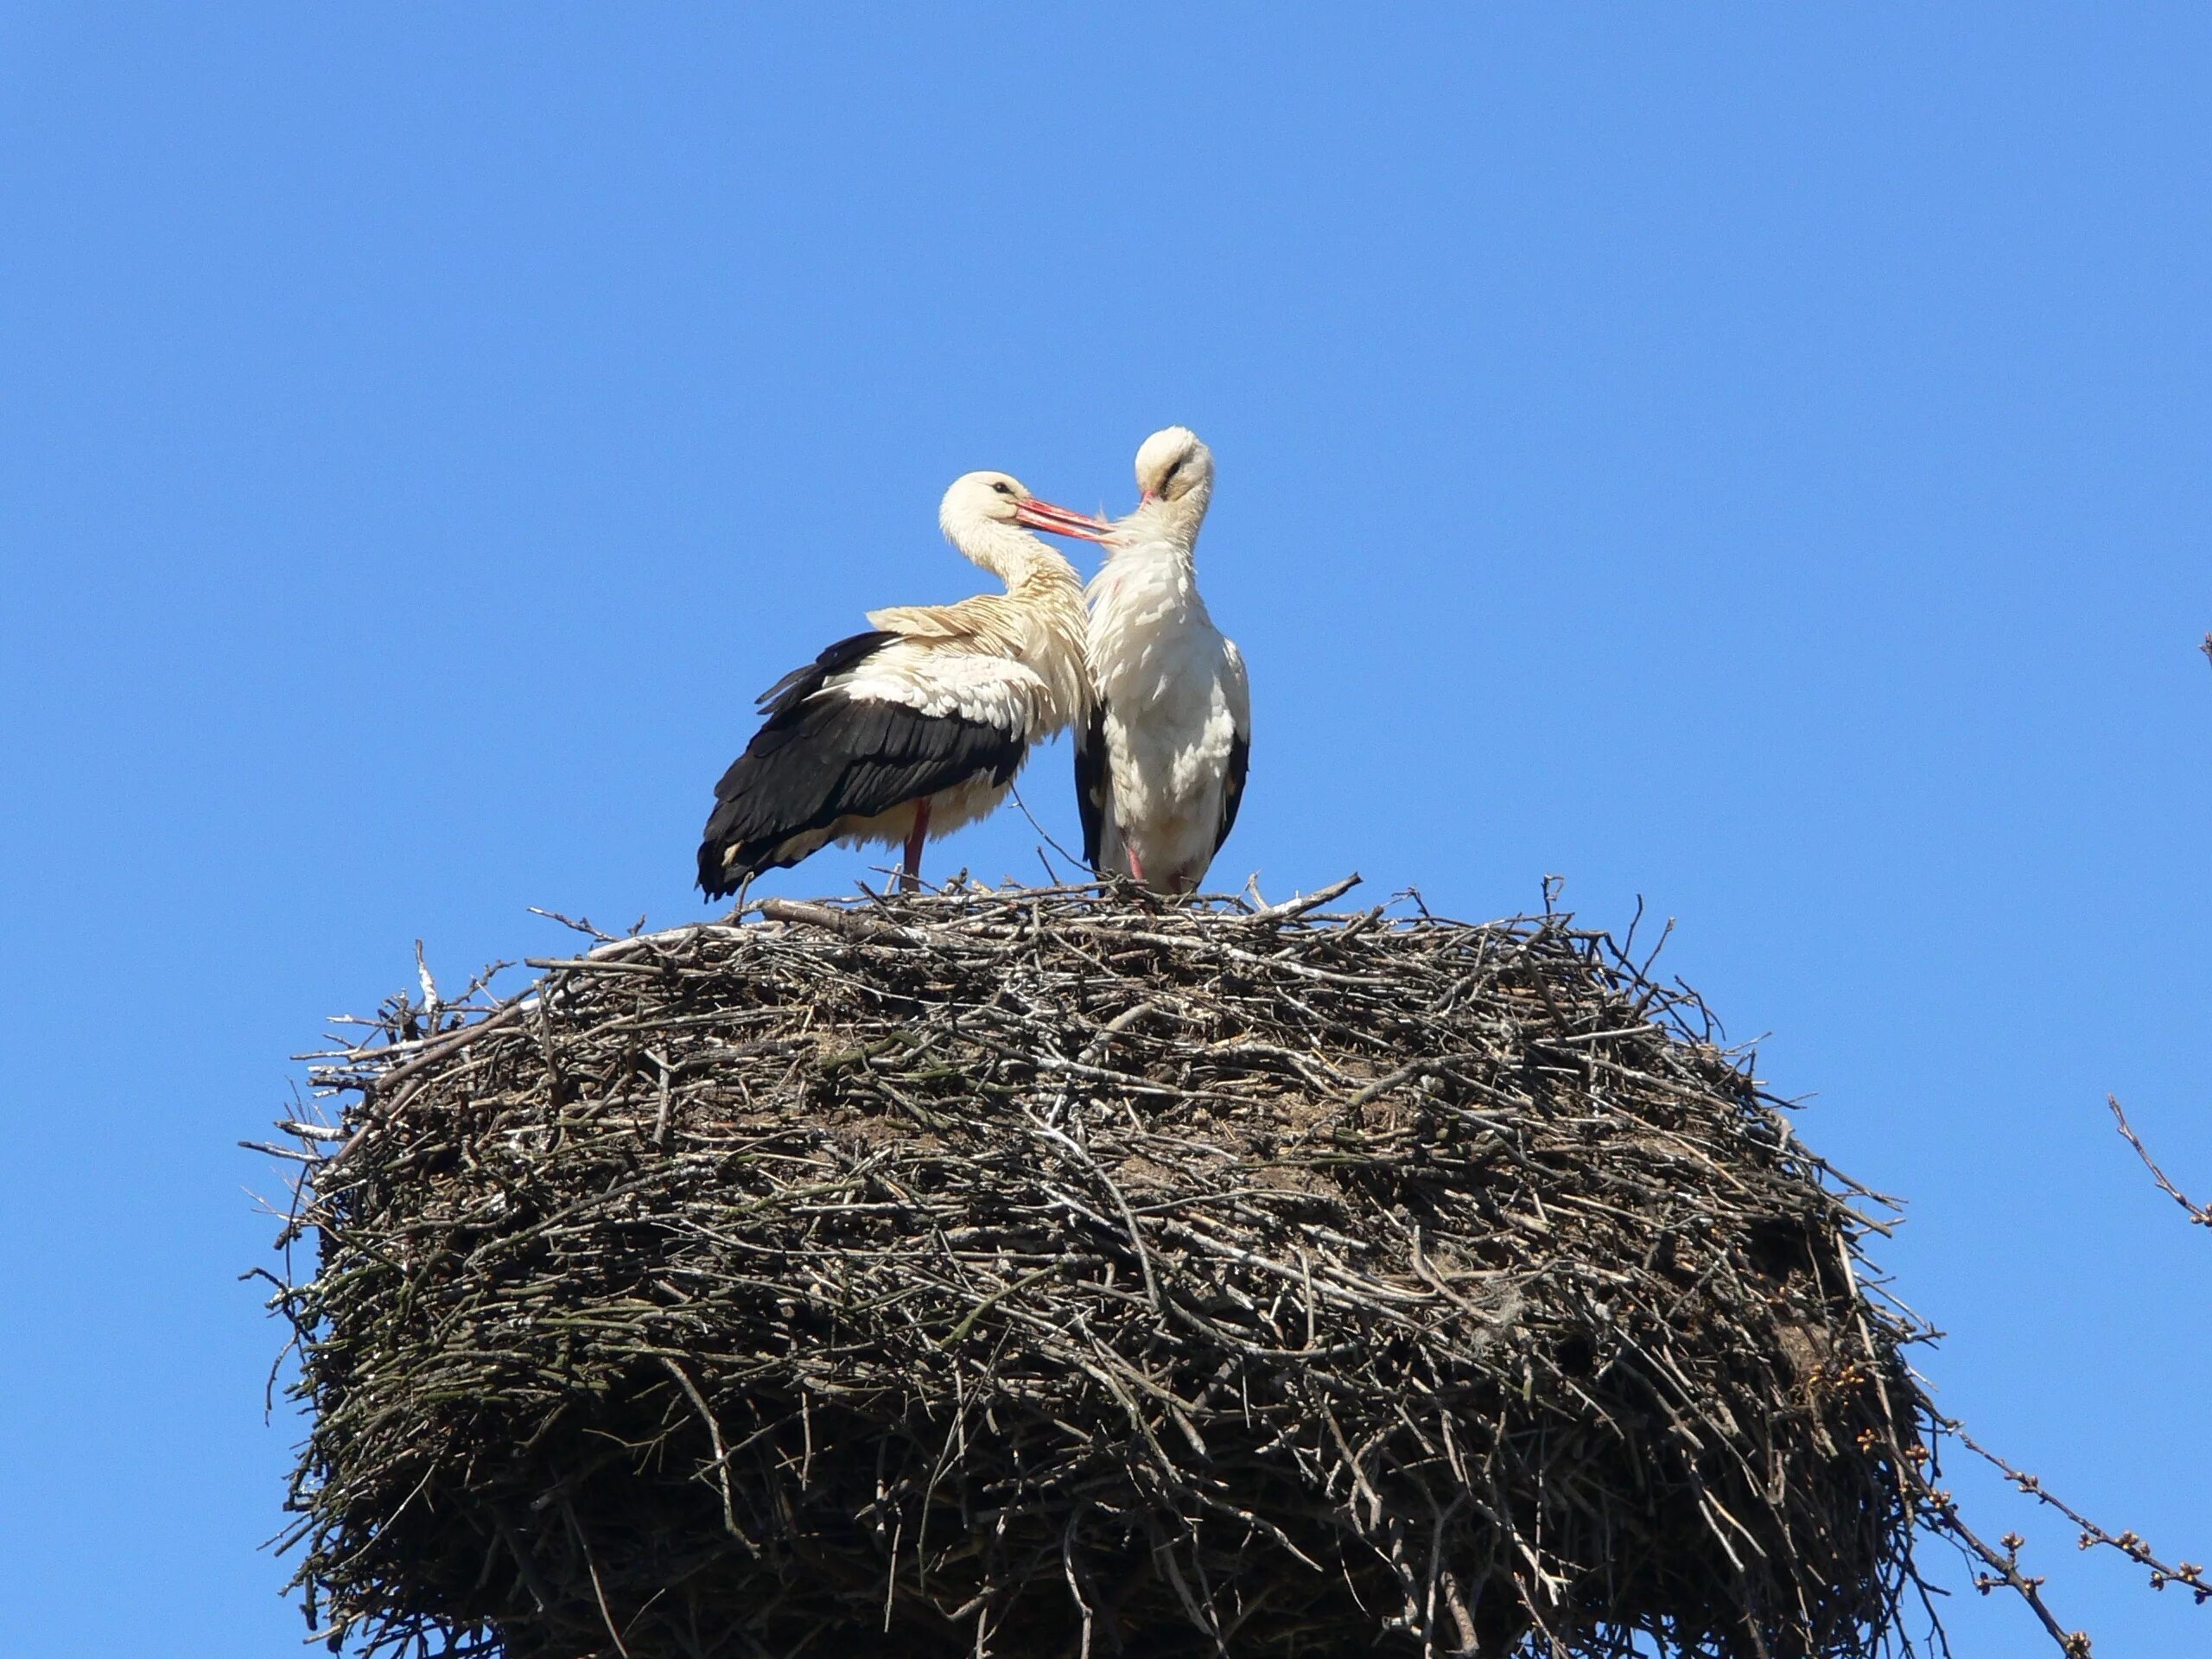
1003 489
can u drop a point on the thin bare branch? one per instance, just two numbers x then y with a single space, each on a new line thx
2199 1213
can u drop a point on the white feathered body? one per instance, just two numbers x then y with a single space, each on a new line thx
1173 713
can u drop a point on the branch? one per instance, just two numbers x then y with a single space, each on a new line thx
2003 1565
834 920
2199 1213
1291 908
2189 1574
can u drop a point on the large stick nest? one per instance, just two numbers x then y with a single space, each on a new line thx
1033 1272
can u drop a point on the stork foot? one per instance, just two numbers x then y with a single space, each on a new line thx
737 911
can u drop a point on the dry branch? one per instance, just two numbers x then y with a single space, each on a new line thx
2199 1213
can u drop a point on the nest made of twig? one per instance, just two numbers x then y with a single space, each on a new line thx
1041 1273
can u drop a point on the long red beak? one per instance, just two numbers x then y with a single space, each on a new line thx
1061 521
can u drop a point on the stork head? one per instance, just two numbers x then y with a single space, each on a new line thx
979 503
1173 464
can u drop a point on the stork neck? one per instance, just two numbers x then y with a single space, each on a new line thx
1171 526
1006 552
1027 565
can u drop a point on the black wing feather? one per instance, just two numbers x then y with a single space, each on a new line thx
1232 786
817 759
805 680
1094 783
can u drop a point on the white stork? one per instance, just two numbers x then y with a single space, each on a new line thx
917 727
1159 764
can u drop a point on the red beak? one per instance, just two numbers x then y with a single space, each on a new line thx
1061 521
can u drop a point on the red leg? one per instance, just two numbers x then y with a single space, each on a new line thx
1136 865
911 877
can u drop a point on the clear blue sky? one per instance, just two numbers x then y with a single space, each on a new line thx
1754 458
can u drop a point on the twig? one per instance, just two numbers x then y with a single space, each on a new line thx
837 921
2006 1565
2200 1214
2189 1574
1072 861
1292 908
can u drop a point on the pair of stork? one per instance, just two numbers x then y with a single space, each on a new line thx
917 727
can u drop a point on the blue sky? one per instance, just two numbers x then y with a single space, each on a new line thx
1753 459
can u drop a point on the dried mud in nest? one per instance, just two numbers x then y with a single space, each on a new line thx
1033 1272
